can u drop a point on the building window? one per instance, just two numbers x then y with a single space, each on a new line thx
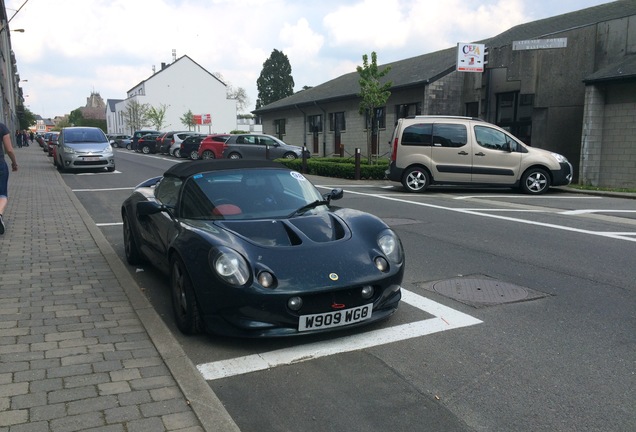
315 123
337 122
379 118
514 114
407 110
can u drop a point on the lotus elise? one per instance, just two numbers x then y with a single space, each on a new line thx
253 249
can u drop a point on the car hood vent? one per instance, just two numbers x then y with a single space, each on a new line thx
321 228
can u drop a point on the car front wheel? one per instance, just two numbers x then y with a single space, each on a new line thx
145 149
133 256
290 156
416 179
535 181
234 156
184 303
207 154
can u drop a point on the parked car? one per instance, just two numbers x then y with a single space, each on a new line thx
461 150
189 147
120 141
164 141
84 147
148 143
177 139
253 249
212 146
138 134
257 146
51 142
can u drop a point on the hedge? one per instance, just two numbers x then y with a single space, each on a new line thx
339 167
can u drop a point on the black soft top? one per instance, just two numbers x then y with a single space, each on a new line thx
187 169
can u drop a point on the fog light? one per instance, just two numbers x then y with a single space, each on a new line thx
266 279
367 292
381 264
295 303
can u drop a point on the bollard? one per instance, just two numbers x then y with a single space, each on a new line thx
356 176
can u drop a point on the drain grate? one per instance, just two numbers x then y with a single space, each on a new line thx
480 292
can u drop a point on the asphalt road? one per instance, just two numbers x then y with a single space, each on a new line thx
518 314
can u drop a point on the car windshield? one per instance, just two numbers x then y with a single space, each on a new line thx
247 194
84 136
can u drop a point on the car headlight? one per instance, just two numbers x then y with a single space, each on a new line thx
390 245
559 158
230 266
68 150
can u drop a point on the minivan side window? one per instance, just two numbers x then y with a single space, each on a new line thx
418 135
449 135
495 140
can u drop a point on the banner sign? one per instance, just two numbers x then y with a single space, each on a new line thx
470 57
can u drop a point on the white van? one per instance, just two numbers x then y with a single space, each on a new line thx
462 150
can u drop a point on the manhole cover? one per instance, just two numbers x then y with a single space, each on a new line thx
484 292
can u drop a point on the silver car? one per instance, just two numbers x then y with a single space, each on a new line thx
84 148
259 146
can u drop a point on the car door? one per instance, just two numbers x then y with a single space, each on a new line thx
497 156
158 229
451 155
250 148
270 147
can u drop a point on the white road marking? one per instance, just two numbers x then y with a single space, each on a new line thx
525 196
109 224
444 318
482 213
102 190
578 212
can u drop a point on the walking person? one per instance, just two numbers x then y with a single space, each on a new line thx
5 148
18 138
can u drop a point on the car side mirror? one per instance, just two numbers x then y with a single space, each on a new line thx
335 194
147 208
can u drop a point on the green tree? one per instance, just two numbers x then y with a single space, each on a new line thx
238 93
26 118
76 118
135 115
188 120
276 81
157 116
373 92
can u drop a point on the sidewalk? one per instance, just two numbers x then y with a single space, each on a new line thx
81 348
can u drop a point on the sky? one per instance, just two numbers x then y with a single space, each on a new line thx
71 48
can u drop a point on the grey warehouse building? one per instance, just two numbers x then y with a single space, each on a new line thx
566 84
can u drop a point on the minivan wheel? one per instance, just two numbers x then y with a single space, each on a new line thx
535 181
416 179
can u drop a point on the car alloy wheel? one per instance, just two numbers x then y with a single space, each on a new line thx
416 179
535 181
184 303
194 155
176 153
207 154
234 156
145 149
290 156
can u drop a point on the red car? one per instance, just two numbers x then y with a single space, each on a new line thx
51 143
212 146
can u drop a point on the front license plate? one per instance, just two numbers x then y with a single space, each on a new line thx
91 158
335 319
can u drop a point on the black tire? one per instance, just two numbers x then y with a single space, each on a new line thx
535 181
194 155
207 154
176 153
184 302
128 146
110 169
145 149
290 155
234 155
131 249
416 179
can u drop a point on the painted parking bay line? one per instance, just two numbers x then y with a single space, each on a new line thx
444 318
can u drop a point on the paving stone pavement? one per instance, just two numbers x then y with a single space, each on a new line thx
81 349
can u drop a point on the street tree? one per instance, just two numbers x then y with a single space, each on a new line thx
136 115
26 118
374 92
188 120
157 116
276 81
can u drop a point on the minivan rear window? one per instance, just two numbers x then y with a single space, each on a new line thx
420 134
450 135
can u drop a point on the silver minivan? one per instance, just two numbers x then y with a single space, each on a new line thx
462 150
83 148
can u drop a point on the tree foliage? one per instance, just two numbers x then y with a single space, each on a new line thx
238 93
188 120
276 81
157 116
76 118
26 118
136 115
373 92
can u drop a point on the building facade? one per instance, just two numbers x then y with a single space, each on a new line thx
11 96
564 84
182 86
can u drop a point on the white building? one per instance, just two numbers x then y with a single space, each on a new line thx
180 86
